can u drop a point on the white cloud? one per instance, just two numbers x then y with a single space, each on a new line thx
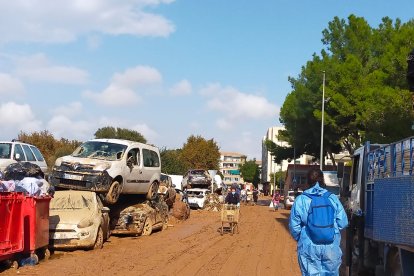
122 90
70 110
149 134
63 126
39 68
16 117
236 106
181 88
62 21
9 85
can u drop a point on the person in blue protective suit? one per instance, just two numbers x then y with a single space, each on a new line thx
316 259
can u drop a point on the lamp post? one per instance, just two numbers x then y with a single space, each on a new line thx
323 111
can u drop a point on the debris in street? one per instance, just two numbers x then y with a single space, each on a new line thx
213 203
181 210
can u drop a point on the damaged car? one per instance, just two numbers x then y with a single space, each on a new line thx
197 197
140 219
77 219
110 167
166 190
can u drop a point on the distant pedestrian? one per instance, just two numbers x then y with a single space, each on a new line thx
276 200
316 219
255 195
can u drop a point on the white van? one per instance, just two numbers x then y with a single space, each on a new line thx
110 167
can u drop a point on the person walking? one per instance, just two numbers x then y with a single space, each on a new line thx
315 222
276 200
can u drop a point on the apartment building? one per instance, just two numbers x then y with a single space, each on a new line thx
230 163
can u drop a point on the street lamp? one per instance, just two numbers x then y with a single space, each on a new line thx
323 111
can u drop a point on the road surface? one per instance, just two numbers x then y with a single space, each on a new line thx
192 247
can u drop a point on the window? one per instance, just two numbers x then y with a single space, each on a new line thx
151 158
5 150
37 153
136 157
18 150
29 154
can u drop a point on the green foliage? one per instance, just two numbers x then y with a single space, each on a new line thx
120 133
280 178
171 161
279 153
366 90
199 153
50 148
250 172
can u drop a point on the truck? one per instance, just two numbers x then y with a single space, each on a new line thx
380 206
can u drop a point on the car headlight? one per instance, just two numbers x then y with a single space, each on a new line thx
85 223
58 161
102 166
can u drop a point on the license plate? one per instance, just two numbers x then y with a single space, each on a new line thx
73 176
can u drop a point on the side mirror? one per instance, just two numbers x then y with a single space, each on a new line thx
105 210
17 156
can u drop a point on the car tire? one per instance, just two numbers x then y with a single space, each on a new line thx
147 229
99 239
153 191
114 192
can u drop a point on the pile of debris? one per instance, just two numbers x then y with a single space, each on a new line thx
180 209
213 202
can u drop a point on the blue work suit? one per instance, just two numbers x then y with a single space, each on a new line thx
316 259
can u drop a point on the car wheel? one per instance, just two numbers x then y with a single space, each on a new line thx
113 194
153 191
99 239
147 227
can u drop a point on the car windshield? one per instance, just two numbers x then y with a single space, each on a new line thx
100 150
71 201
5 150
198 172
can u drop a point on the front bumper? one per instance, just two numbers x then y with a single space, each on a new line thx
87 180
129 224
72 237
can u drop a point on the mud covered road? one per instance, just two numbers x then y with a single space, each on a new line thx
193 247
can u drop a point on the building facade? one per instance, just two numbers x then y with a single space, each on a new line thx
230 163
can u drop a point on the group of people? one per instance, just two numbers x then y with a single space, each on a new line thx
315 222
235 197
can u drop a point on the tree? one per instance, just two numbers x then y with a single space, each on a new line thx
199 153
280 178
250 172
50 148
171 161
366 91
120 133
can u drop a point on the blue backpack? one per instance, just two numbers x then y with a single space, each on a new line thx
321 218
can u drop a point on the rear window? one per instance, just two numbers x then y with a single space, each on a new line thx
37 153
5 150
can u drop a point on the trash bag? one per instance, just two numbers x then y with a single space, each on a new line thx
20 170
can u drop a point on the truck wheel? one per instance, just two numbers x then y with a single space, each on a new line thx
153 191
113 194
99 239
147 227
393 263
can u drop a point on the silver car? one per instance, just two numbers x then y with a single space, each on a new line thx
77 219
16 151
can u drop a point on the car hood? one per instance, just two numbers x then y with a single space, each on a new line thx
84 161
68 216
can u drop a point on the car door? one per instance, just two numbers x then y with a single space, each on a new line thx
151 165
134 177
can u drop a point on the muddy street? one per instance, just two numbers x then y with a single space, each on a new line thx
192 247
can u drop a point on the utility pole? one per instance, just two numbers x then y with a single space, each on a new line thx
322 123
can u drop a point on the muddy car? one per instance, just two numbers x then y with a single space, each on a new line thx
140 219
197 197
166 190
77 219
196 179
110 167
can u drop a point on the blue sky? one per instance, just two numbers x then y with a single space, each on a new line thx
168 69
